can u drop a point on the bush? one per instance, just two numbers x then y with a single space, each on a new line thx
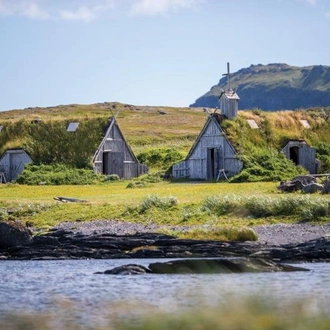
161 158
57 174
267 165
161 203
220 205
223 233
143 180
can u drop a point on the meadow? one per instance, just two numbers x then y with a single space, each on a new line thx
159 136
195 204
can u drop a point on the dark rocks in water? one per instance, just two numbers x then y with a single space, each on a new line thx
130 269
205 266
14 233
222 266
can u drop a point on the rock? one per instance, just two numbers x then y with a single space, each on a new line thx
312 188
14 233
212 266
130 269
326 187
297 183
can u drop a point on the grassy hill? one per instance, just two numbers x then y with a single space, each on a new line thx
42 132
275 86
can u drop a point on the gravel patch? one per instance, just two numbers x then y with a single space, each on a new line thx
280 234
277 234
113 227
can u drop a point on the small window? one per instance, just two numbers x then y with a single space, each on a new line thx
72 127
305 123
252 124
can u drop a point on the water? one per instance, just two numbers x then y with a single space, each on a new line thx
71 284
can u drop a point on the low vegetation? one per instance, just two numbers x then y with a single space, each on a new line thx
204 205
243 313
58 174
222 233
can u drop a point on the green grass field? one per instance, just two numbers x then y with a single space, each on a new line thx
186 203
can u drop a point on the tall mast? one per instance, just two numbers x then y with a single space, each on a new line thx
228 77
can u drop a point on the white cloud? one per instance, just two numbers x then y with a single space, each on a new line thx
82 14
88 13
311 2
156 7
85 10
27 8
89 10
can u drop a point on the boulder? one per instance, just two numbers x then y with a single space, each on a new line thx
312 188
215 266
297 183
205 266
326 187
130 269
14 233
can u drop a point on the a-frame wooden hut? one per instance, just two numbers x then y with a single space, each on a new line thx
212 154
114 155
12 163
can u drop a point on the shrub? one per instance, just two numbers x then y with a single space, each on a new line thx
223 233
144 180
161 158
112 177
161 203
267 165
56 174
220 205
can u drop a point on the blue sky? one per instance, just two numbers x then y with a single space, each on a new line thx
147 52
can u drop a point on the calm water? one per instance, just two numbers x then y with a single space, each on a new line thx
49 285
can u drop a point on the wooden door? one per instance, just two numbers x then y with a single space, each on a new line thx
113 163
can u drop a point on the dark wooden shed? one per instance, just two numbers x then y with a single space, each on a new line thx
212 154
300 153
114 155
12 163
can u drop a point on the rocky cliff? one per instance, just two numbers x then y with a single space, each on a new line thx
275 87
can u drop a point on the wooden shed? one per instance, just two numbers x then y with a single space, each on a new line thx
300 153
228 99
229 103
114 155
12 163
212 154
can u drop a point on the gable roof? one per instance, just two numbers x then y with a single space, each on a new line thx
15 150
112 123
218 118
230 94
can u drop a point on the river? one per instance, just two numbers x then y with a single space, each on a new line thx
71 284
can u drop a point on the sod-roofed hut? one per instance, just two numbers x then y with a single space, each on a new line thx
114 155
300 153
12 163
211 156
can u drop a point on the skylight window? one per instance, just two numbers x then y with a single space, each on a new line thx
252 124
72 127
305 123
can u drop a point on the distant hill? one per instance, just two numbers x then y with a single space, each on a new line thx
275 86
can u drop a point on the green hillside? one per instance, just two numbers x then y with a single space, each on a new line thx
275 86
42 132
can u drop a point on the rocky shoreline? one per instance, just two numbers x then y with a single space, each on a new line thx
111 239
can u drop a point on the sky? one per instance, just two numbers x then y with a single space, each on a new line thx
147 52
